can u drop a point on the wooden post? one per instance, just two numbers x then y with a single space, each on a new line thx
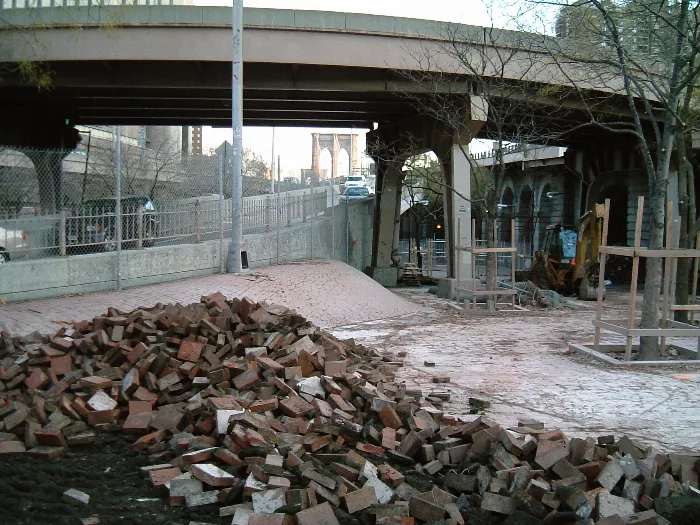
635 276
601 275
668 261
197 223
473 264
513 259
458 256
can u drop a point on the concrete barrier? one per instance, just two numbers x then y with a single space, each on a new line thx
35 279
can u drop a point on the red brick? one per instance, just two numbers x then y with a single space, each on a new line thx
294 406
360 499
317 515
190 350
369 449
102 417
37 379
51 438
140 407
96 382
390 418
61 365
264 405
137 423
12 447
149 439
247 380
212 475
162 476
389 438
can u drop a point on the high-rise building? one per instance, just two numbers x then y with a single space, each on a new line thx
196 143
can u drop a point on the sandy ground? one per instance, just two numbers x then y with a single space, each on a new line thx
521 364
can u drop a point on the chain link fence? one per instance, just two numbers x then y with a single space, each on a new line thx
64 204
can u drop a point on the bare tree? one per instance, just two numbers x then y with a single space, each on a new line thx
501 75
646 51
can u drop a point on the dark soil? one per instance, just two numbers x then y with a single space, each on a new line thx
31 489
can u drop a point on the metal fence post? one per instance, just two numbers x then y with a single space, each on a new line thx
303 207
62 233
221 213
139 227
118 204
197 223
279 208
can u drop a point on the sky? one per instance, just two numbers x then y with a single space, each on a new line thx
293 145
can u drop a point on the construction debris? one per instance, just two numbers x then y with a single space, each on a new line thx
250 407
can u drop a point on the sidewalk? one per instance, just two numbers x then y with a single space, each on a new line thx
329 293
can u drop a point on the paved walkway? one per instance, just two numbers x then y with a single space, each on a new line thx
519 363
329 293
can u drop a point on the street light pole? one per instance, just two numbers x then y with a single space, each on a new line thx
233 261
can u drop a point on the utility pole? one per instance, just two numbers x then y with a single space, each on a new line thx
233 262
118 203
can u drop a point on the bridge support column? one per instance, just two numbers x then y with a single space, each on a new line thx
386 224
46 140
460 228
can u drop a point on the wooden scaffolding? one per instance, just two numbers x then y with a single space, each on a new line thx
630 327
474 250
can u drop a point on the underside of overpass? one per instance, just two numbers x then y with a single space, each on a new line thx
304 81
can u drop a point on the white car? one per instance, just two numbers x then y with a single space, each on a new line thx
356 181
10 240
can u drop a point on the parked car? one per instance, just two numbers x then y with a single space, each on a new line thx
355 193
93 223
10 240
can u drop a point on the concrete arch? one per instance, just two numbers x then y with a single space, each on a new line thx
334 142
506 213
545 214
524 217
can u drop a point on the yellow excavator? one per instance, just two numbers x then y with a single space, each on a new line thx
567 261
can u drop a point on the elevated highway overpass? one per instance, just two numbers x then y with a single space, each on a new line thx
171 65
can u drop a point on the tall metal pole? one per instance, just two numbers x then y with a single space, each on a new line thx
221 212
118 204
347 205
272 165
233 262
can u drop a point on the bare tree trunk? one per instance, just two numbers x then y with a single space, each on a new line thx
649 346
686 208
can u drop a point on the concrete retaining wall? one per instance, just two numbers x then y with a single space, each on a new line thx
24 280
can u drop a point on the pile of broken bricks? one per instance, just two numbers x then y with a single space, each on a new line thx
250 407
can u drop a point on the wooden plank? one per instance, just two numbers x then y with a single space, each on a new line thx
625 251
622 330
668 262
635 275
675 253
693 295
502 291
664 332
685 307
493 250
473 265
601 273
512 259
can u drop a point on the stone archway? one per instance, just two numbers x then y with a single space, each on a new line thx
334 142
524 219
544 216
506 212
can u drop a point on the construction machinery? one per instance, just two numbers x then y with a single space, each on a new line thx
567 261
